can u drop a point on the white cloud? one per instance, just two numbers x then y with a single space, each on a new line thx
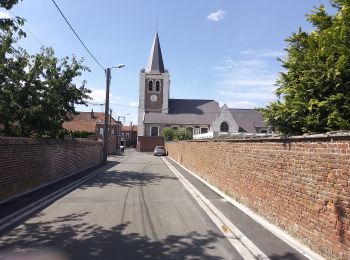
251 72
99 95
265 53
251 96
5 15
239 104
216 16
134 104
246 83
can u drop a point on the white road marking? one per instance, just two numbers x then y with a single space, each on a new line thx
238 240
301 248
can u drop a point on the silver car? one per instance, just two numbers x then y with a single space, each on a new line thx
159 150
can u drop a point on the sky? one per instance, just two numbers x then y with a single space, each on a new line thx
225 50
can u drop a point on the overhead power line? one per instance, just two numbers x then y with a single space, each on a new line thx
78 36
35 37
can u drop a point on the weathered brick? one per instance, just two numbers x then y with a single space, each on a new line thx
27 163
301 183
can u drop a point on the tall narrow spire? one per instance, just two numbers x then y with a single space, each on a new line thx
155 63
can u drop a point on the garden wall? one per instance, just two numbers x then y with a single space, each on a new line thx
300 184
27 163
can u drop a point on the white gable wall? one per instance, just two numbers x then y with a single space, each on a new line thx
225 116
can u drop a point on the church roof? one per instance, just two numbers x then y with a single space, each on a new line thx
248 119
185 112
155 63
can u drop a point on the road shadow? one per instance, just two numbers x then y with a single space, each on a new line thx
126 179
79 240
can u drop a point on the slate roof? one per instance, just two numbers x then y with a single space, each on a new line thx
248 119
155 63
86 121
186 112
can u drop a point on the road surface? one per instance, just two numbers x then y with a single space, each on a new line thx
140 209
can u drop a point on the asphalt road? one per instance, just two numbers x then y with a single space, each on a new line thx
137 209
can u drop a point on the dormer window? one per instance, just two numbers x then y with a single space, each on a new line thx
150 85
157 86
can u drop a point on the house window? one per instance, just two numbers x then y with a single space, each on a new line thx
101 131
157 86
127 135
150 85
204 130
224 127
175 128
263 131
197 130
154 131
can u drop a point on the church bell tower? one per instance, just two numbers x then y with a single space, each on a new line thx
154 86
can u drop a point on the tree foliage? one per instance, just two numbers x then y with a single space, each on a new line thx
37 92
314 91
176 135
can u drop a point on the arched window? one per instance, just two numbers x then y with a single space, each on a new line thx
157 85
224 127
150 85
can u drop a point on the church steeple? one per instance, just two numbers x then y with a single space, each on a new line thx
155 63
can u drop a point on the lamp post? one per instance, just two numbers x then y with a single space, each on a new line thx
105 126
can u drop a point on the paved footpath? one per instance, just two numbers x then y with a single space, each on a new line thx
140 209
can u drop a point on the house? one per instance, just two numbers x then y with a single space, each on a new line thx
157 110
94 123
129 135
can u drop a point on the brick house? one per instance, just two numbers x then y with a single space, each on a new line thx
129 135
94 122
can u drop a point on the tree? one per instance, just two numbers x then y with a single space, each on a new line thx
170 134
37 93
314 91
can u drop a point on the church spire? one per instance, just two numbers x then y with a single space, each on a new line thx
155 63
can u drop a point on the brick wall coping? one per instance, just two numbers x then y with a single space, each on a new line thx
45 141
330 136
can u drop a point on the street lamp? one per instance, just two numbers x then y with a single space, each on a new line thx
105 126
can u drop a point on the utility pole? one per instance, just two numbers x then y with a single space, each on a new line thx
105 127
110 121
130 134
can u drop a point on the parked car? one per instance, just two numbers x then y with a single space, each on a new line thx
159 150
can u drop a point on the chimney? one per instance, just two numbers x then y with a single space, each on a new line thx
92 114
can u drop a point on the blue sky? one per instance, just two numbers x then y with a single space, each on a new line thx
225 50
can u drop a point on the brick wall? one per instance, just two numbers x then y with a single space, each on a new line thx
28 163
148 143
301 185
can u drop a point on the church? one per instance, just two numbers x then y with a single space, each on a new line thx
157 110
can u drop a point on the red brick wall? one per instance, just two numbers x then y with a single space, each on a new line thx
301 185
28 163
148 143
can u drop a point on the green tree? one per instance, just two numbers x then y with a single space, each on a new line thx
183 134
314 91
37 92
168 134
